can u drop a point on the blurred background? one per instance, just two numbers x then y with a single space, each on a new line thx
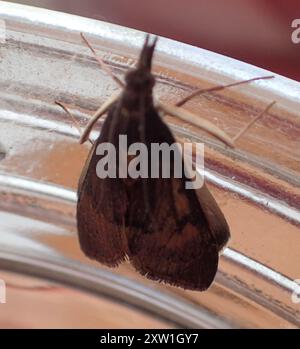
255 31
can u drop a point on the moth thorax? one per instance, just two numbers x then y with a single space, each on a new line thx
140 80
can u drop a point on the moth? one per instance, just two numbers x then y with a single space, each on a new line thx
167 232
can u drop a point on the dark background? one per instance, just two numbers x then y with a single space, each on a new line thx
254 31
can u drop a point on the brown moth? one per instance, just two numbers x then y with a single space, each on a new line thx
168 233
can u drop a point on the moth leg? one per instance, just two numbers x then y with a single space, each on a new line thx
103 65
73 119
204 124
236 137
99 112
193 119
201 91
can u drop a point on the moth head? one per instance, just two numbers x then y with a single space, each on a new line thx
141 77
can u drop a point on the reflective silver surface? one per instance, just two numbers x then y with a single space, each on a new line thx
256 184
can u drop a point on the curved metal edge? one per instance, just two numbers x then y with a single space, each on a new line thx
194 56
172 308
268 202
69 196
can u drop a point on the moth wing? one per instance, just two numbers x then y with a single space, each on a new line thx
175 244
216 220
99 237
101 208
170 238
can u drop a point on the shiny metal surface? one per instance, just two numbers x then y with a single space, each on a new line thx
256 184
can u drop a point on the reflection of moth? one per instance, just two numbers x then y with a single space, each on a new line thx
296 33
169 233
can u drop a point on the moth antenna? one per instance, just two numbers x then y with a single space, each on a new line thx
96 116
102 64
219 88
146 55
193 119
75 122
235 138
147 39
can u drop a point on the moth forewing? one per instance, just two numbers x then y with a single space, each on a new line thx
85 168
172 242
215 217
101 209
